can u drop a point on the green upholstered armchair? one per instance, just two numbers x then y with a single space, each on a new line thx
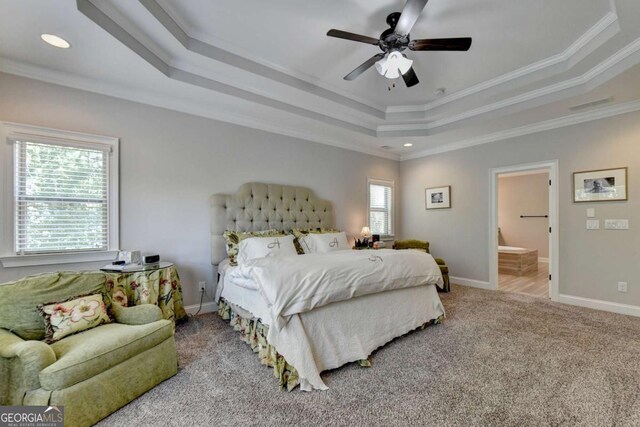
423 245
91 373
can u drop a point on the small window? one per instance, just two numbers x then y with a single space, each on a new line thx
64 200
380 198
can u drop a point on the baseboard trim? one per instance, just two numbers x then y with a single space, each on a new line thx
207 307
471 283
613 307
543 260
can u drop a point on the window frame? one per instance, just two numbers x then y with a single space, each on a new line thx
12 132
386 183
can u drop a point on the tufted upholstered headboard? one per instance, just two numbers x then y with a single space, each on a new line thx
258 206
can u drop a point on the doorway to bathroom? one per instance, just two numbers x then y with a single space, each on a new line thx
524 248
523 237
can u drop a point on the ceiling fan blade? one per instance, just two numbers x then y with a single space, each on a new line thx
409 16
410 78
351 36
364 67
459 44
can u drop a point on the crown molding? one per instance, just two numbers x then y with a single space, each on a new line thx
573 119
596 36
345 132
175 104
606 28
587 43
109 25
256 65
104 21
606 70
106 7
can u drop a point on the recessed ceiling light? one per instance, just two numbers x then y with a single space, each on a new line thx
408 144
55 41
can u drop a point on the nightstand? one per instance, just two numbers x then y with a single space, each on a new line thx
158 285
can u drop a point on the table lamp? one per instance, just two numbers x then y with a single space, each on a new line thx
366 233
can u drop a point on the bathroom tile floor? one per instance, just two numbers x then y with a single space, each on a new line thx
536 285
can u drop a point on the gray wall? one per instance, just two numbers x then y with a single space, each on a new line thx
170 163
591 262
524 195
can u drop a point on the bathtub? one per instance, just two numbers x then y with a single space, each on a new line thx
517 261
512 249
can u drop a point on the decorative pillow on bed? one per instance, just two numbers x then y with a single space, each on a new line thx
72 316
301 235
325 242
261 247
233 239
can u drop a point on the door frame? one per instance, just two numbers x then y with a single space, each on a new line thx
552 167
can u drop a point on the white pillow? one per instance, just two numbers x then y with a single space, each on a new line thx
326 242
260 247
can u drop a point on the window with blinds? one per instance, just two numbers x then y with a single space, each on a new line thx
381 207
61 198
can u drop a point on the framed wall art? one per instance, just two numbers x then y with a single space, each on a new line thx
438 197
605 185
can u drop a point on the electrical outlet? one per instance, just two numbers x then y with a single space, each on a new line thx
203 286
622 287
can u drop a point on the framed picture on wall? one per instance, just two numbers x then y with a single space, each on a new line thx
438 197
605 185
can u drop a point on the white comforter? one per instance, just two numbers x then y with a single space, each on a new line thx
297 284
319 327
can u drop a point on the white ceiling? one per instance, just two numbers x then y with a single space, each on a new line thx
271 66
290 34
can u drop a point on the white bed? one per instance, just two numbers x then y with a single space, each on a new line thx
330 335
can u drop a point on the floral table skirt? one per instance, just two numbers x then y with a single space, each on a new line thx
160 287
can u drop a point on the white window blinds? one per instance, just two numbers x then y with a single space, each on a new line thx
380 208
61 197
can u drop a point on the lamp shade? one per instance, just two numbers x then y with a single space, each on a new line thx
366 232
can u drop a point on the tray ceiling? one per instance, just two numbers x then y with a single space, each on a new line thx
272 67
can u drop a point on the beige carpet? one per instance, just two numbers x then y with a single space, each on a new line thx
499 359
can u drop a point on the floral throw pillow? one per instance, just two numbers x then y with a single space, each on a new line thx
72 316
233 239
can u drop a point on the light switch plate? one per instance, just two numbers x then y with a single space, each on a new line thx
591 213
593 224
616 224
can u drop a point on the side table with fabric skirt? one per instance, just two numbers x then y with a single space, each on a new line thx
159 285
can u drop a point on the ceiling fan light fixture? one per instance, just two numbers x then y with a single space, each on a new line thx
393 65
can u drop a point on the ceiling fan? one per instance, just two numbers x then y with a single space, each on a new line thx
392 63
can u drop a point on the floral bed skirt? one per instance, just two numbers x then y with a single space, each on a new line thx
254 333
